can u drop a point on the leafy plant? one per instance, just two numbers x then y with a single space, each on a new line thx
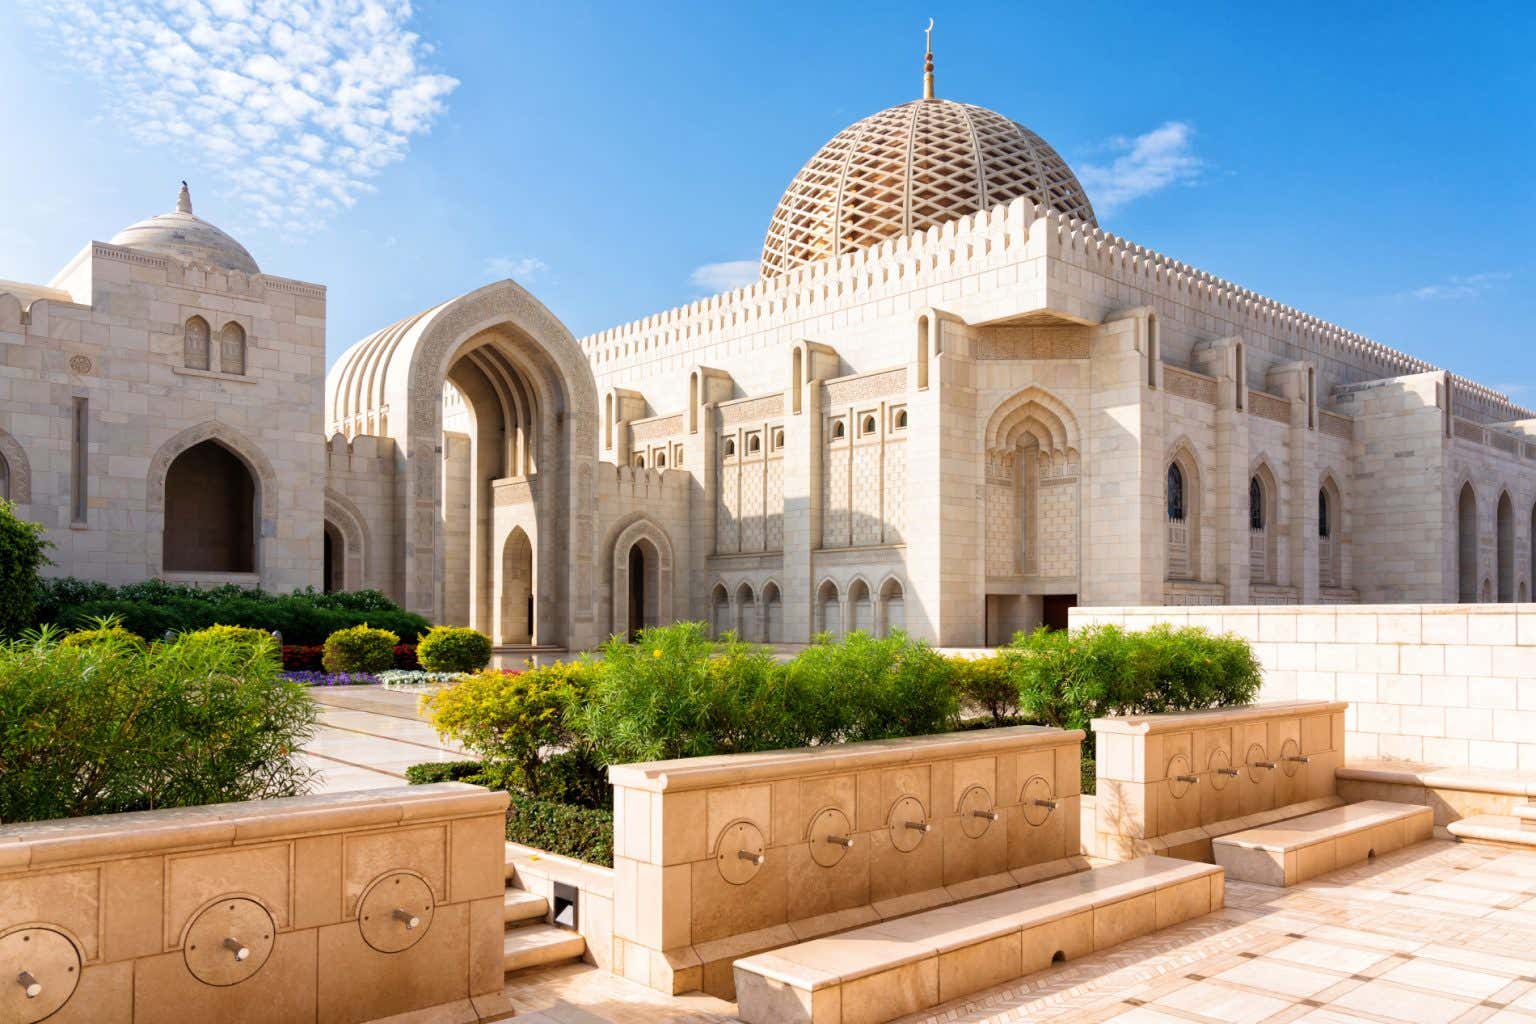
454 649
23 551
510 719
984 684
564 829
105 631
864 688
360 649
122 726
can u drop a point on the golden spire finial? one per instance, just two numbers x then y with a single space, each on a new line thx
928 61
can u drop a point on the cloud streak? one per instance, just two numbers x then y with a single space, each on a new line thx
1146 164
295 104
727 276
1469 286
516 267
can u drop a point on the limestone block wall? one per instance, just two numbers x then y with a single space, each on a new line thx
649 507
719 858
360 504
347 908
1448 684
1169 783
101 357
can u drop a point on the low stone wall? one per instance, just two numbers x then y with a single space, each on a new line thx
540 872
344 908
717 858
1169 783
1447 684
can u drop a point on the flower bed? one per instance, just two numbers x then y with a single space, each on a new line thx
417 681
322 678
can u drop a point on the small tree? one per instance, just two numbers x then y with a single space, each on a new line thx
22 554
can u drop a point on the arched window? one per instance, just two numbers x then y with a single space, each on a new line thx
730 446
1466 545
837 430
1504 540
232 348
869 425
1323 526
901 419
1255 504
754 444
661 460
639 461
1175 492
778 439
196 335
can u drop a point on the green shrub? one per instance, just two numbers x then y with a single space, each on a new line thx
1067 679
665 697
510 718
153 607
443 771
359 649
220 634
108 632
580 832
864 688
23 551
577 777
102 727
454 649
985 684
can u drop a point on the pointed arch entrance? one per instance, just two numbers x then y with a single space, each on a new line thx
640 565
518 618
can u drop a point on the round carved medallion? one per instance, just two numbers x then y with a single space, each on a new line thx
80 364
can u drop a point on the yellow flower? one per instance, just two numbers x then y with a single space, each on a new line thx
656 653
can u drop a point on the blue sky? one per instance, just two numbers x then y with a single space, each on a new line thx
1369 164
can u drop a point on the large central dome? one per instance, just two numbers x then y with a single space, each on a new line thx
908 168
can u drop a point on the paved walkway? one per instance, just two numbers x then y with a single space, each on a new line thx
368 736
1441 933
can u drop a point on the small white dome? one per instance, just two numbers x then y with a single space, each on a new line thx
185 237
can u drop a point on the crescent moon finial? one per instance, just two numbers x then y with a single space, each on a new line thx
928 61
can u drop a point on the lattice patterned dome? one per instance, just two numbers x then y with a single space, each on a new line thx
908 168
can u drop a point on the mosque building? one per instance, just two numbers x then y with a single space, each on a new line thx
951 404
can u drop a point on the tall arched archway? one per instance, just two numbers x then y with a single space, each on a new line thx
1330 534
639 557
15 471
1263 530
164 518
891 613
747 626
210 512
518 619
861 607
1182 509
1505 537
773 613
829 610
346 543
1466 545
1031 438
719 611
535 411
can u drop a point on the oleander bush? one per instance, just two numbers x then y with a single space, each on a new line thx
153 608
118 725
985 686
23 551
360 649
1067 679
454 649
862 687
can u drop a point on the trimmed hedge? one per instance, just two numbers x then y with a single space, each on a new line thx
153 608
360 649
454 649
565 829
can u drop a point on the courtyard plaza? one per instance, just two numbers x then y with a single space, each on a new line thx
1438 933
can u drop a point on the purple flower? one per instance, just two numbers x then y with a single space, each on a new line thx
332 678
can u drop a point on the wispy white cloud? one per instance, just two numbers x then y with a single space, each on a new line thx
295 104
1145 164
723 277
1469 286
516 267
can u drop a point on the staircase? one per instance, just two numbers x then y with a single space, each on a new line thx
530 941
1517 829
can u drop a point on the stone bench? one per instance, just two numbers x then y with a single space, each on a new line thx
881 972
1288 852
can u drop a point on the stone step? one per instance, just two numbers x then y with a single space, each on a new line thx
1294 850
1503 829
538 945
883 971
520 906
1527 815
